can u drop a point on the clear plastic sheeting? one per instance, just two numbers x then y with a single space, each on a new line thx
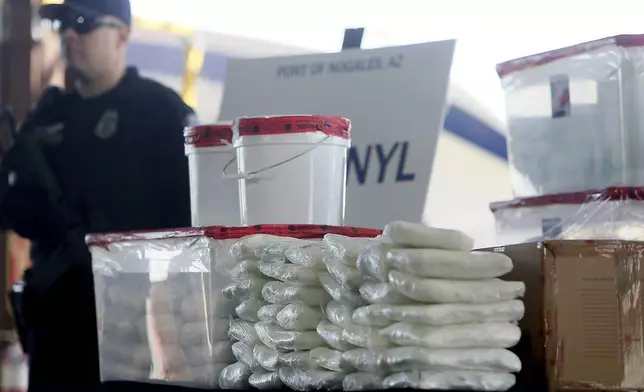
166 282
182 306
574 118
608 214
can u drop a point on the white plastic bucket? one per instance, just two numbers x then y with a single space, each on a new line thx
213 202
292 169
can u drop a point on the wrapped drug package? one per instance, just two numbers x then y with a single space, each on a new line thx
611 213
574 118
173 306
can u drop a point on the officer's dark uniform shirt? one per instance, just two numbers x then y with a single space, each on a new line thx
119 159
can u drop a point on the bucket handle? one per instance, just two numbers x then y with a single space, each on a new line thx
254 174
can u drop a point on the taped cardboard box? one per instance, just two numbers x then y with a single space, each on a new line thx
584 315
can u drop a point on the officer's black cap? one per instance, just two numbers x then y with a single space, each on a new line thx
120 9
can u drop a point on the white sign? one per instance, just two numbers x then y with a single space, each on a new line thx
395 98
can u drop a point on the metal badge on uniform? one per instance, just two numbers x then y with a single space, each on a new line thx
51 134
107 125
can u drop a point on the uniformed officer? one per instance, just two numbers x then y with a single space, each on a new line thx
115 146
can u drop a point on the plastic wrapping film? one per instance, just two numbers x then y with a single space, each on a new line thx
340 293
563 108
266 357
275 337
611 214
161 287
449 264
414 235
455 291
439 314
332 335
340 313
594 286
470 380
326 358
311 380
383 293
299 317
183 287
401 359
362 382
235 376
477 335
268 313
265 381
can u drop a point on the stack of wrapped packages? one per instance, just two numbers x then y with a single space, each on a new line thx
282 305
438 316
246 292
415 308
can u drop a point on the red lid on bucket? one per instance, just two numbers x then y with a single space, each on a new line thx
231 232
520 64
284 125
616 193
216 135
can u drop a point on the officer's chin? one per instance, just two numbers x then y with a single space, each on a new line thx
76 73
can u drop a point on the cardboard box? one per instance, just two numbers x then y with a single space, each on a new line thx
584 315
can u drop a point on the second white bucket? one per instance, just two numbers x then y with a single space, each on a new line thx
292 169
213 202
